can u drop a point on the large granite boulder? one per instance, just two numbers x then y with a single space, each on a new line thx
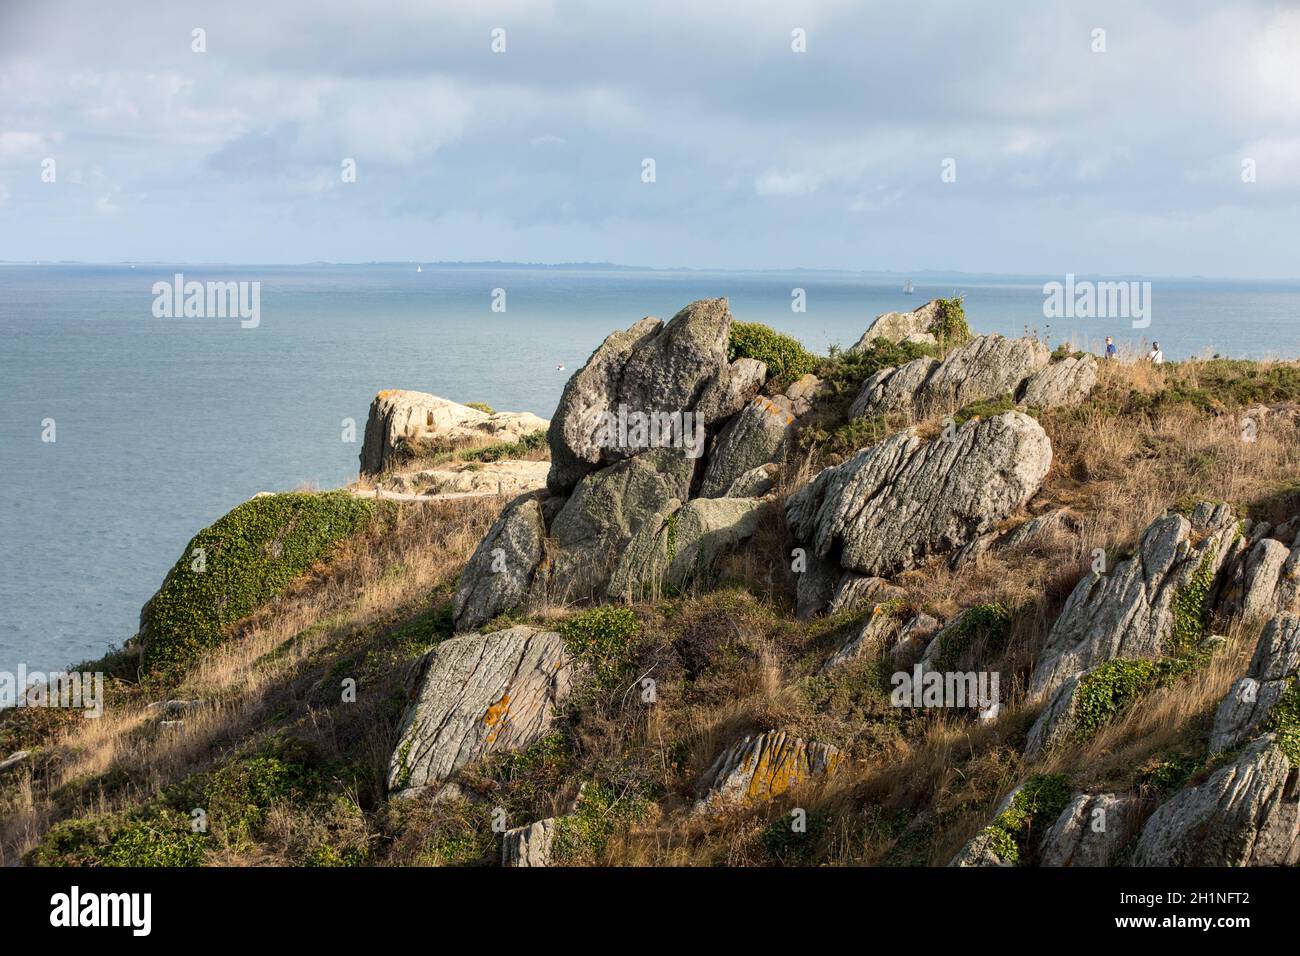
1133 610
893 390
530 845
499 575
900 326
478 695
730 389
760 767
1273 672
682 545
892 506
755 437
607 509
1246 814
401 421
651 367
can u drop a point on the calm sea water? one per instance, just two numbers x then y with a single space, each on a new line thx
163 425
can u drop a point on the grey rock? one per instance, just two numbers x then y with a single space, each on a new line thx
1061 384
894 390
1090 831
1263 574
682 545
479 695
872 636
1246 814
500 573
530 845
651 367
607 509
1273 671
1057 720
14 759
754 483
755 437
914 636
730 389
815 586
804 392
899 326
892 506
173 708
760 767
860 591
978 851
1129 612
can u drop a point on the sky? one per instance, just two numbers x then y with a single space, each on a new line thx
1007 137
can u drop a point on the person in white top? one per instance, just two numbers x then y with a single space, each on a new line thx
1155 356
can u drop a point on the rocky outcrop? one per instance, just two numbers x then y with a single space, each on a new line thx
900 326
892 506
499 575
1268 579
682 545
755 437
401 421
1273 671
754 483
1134 610
1090 831
504 477
651 367
530 845
599 520
860 592
1246 814
1056 722
1061 384
1024 535
985 367
760 767
730 389
873 635
478 695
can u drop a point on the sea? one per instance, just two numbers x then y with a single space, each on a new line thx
124 433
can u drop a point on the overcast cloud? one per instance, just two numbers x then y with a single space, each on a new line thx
1124 162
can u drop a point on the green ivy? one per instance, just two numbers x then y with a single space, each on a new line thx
785 357
603 640
249 556
1038 803
1107 691
990 621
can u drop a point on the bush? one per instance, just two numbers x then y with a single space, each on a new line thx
1038 803
1109 690
248 557
950 327
846 371
603 639
990 622
155 836
785 357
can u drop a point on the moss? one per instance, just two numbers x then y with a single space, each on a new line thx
1035 807
991 622
482 407
986 409
603 639
785 357
1171 773
1284 720
249 557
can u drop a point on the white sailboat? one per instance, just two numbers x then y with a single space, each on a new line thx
419 268
907 287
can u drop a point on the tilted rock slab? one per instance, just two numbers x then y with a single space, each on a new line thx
479 695
1273 671
892 506
985 367
606 511
1061 384
1057 720
1130 612
499 575
1091 830
399 417
730 389
1246 814
651 367
755 437
530 845
504 477
760 767
683 545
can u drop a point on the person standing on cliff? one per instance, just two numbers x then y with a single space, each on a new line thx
1111 351
1155 356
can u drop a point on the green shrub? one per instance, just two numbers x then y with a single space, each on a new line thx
846 371
248 557
603 639
991 622
985 409
482 407
786 358
1036 806
1109 690
950 326
154 836
603 811
1284 720
1191 608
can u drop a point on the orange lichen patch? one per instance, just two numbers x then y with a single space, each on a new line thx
496 716
787 764
775 410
